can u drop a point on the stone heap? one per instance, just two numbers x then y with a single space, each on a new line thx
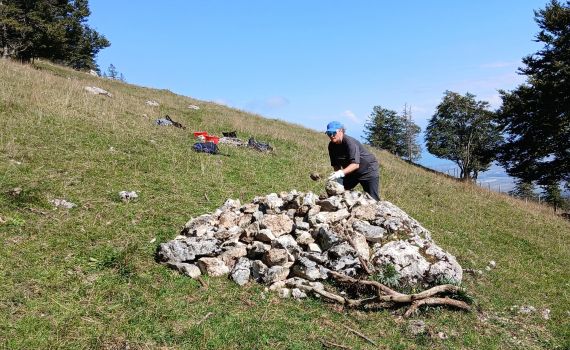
291 240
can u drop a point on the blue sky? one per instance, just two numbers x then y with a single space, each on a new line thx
310 62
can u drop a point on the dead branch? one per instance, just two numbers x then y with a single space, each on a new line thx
359 334
204 318
436 301
386 294
329 344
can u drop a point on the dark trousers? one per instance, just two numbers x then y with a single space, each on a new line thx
370 186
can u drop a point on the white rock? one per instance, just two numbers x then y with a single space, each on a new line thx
310 199
190 270
128 195
62 203
193 107
152 103
97 91
442 335
314 247
305 238
284 293
529 309
296 293
405 258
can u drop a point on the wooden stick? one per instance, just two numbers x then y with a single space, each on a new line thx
202 282
359 334
331 344
436 301
205 317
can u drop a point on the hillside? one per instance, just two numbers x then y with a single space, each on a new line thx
86 277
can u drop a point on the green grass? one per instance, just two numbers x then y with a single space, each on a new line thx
86 277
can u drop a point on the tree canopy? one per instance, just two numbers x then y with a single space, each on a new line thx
395 133
51 29
535 117
463 131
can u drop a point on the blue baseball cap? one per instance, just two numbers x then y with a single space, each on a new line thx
334 126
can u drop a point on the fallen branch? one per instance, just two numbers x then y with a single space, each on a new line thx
386 294
205 318
359 334
436 301
202 282
329 344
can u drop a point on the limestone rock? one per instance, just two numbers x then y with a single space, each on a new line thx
97 91
213 267
275 256
309 270
334 188
278 224
406 259
180 250
241 271
372 233
187 269
198 226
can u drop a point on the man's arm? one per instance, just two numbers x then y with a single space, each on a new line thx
350 168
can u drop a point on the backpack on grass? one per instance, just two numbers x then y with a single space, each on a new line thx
205 147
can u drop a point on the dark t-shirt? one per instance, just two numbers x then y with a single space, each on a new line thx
351 151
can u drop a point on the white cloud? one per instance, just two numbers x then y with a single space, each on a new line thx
351 116
500 64
266 105
276 102
502 81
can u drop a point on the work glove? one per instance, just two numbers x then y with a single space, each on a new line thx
336 175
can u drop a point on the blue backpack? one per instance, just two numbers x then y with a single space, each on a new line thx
206 147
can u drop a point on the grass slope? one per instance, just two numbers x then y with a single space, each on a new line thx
85 277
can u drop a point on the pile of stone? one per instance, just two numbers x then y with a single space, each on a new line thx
292 240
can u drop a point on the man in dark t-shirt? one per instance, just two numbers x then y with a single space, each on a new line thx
352 162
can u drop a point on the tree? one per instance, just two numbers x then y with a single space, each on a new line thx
524 190
395 133
535 117
51 29
463 130
553 196
112 72
411 130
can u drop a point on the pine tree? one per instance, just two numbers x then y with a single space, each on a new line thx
395 133
536 115
51 29
411 131
112 72
524 190
553 195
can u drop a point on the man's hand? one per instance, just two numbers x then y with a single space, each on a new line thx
336 175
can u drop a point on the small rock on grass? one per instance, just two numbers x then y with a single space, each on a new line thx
62 203
128 195
417 327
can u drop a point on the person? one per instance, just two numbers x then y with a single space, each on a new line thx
352 162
